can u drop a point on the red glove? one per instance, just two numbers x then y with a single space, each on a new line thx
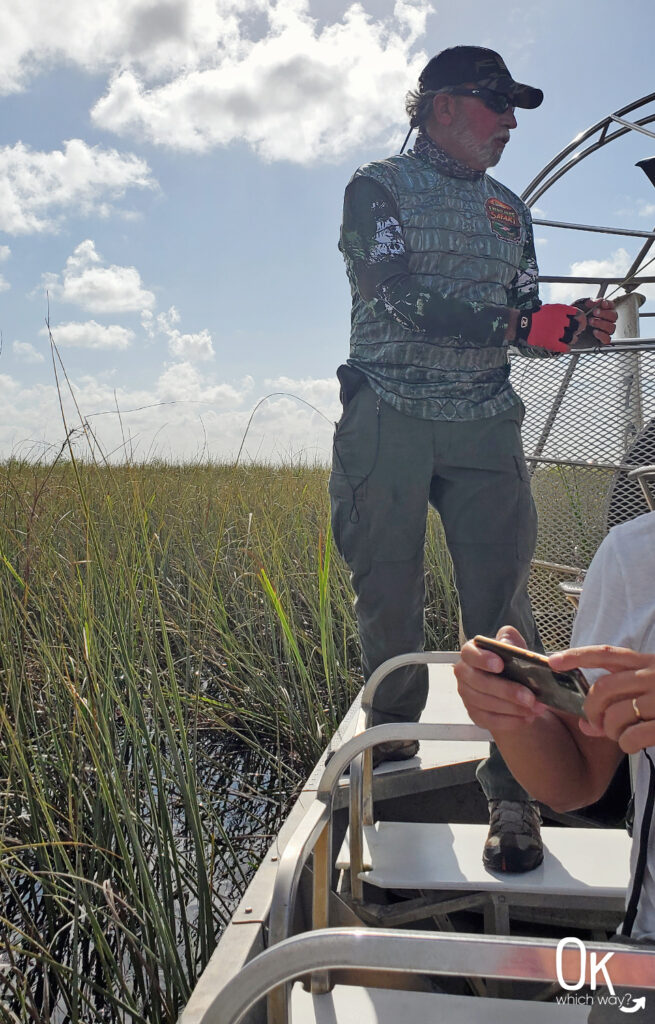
552 327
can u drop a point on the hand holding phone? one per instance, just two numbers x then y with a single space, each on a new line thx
565 691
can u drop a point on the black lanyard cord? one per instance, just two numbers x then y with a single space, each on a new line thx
354 510
642 857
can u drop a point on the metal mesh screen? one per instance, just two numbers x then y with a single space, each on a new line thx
590 418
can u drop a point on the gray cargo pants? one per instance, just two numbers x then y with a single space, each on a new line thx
386 468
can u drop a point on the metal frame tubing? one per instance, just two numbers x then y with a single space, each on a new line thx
415 952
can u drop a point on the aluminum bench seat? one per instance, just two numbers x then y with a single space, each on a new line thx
417 855
347 1004
443 705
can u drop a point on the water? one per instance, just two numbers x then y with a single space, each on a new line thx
241 792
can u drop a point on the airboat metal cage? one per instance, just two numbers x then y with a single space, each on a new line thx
590 422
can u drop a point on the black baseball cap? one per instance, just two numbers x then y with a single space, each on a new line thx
476 64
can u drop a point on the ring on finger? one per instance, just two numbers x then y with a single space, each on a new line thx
635 708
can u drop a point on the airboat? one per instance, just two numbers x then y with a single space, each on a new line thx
372 904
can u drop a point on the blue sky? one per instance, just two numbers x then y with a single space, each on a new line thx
171 179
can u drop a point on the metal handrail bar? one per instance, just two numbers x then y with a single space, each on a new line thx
386 733
582 154
633 232
635 126
361 807
360 813
301 843
637 344
582 136
619 467
574 570
601 278
361 770
318 818
620 345
642 474
292 861
400 661
604 138
415 952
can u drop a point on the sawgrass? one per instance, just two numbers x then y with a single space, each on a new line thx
177 644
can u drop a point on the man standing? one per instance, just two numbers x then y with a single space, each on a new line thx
443 274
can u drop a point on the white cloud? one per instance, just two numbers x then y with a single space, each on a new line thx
299 92
90 335
184 415
87 283
195 347
163 323
5 253
614 266
37 188
155 34
323 393
183 382
646 209
194 74
26 352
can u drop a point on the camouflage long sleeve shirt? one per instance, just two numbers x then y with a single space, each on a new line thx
375 248
373 243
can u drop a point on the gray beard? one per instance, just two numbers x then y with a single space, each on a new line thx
486 154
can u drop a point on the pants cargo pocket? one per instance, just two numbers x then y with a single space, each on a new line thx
349 521
526 518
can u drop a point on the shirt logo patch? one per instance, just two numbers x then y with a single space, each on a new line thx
504 220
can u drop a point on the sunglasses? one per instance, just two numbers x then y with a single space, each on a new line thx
499 102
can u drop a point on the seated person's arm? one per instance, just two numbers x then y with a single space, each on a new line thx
630 676
560 759
617 610
545 750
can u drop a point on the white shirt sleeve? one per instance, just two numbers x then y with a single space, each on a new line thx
605 615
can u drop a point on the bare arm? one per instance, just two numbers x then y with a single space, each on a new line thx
545 750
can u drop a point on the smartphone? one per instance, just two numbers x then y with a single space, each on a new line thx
565 691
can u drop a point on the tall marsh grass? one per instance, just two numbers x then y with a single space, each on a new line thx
177 644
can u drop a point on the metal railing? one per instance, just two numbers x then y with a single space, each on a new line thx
589 424
415 952
314 835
